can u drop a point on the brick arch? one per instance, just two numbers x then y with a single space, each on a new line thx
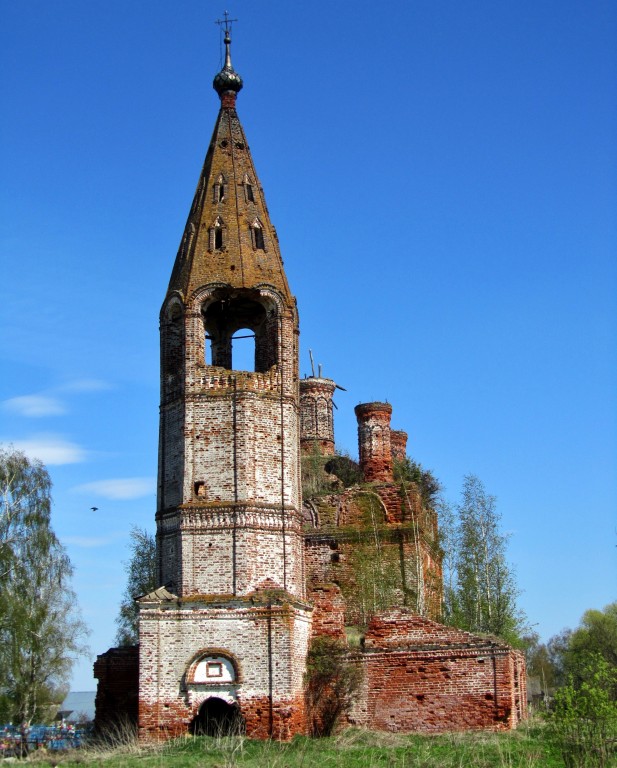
199 297
175 299
269 291
211 652
344 517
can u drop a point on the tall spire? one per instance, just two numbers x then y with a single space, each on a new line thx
229 237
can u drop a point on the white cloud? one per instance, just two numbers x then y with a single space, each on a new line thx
51 449
119 488
35 405
46 404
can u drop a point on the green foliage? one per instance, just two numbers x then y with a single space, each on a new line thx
142 577
557 651
315 481
376 582
40 630
378 573
345 468
409 471
324 474
539 665
559 659
597 634
480 593
584 718
331 684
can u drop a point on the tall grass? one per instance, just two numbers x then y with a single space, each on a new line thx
353 748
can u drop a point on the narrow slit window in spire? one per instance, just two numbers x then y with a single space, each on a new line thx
219 189
217 235
257 236
248 190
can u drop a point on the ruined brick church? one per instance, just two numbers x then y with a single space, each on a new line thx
249 572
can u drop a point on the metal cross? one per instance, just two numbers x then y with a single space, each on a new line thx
227 22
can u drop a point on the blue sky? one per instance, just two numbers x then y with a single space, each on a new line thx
443 179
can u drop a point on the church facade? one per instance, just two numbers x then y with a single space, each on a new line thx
250 572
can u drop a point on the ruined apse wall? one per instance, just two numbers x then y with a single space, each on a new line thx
378 540
374 564
422 676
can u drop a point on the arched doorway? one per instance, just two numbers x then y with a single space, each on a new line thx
217 718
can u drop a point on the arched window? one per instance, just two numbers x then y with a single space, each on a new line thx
219 189
257 236
248 189
217 235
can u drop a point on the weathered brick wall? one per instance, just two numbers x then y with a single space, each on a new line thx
233 548
267 643
316 415
422 676
116 703
328 609
229 448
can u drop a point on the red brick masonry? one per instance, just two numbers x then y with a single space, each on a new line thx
425 677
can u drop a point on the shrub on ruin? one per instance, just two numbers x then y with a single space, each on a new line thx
315 480
345 468
409 471
332 681
322 474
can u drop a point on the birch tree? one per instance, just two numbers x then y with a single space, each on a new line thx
142 575
40 630
483 595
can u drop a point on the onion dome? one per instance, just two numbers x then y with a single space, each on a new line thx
227 79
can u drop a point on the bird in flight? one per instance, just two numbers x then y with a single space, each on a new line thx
94 509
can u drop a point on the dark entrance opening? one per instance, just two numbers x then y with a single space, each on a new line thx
217 718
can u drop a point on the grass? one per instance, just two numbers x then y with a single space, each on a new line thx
353 748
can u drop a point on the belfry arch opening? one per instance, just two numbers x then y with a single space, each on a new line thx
241 332
217 717
243 350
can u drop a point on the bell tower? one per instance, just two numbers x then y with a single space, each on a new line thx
229 620
228 495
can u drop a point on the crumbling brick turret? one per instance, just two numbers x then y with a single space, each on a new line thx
398 444
374 441
317 424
